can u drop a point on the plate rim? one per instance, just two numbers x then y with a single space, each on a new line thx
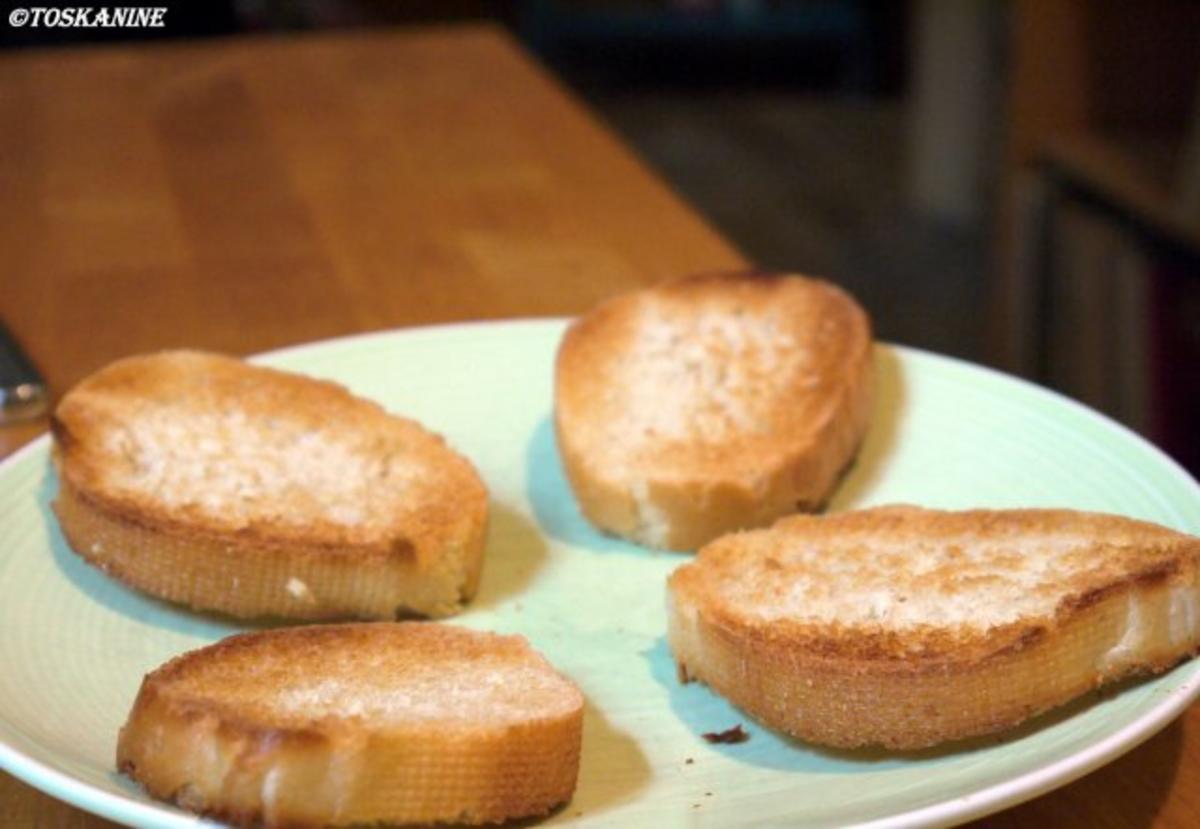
1021 788
1055 775
63 786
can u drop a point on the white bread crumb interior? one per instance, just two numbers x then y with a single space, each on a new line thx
229 468
704 374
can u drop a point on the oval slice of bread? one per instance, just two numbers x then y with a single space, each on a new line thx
397 722
225 486
711 403
907 627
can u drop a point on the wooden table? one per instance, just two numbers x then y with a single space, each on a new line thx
247 194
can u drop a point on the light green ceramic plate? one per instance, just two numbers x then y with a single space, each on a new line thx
75 644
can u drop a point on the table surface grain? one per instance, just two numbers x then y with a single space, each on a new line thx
245 194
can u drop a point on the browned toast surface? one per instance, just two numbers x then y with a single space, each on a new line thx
232 487
906 627
358 723
711 403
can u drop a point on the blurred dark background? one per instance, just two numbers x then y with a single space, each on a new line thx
1016 184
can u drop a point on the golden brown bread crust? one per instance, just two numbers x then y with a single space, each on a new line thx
254 492
219 730
784 396
1132 606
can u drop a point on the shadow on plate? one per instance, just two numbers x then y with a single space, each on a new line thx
612 769
554 503
887 412
704 711
515 550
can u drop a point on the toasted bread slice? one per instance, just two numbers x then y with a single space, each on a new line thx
907 627
231 487
712 403
398 722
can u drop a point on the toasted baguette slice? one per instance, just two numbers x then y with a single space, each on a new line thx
398 722
907 627
230 487
711 403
